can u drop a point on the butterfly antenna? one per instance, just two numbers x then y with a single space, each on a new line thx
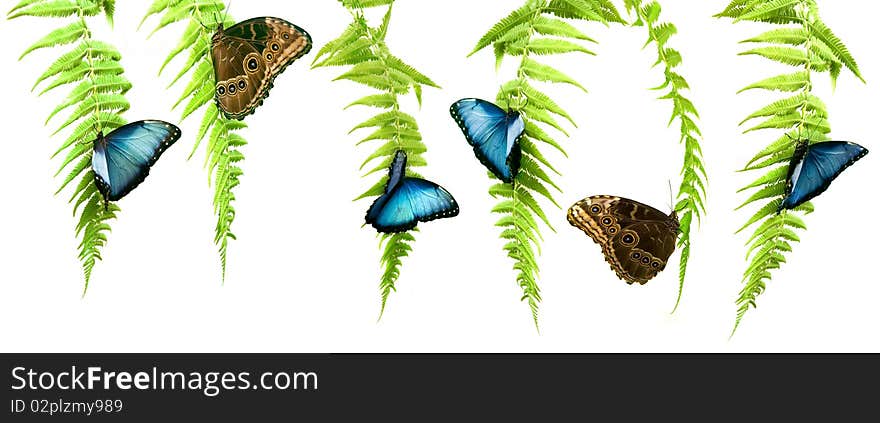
99 132
226 11
671 198
802 139
798 141
526 102
202 23
506 95
810 137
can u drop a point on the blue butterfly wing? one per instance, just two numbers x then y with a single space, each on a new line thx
493 133
396 173
414 200
122 159
814 167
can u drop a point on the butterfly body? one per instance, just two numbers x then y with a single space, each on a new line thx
248 56
122 159
636 239
814 167
494 133
408 201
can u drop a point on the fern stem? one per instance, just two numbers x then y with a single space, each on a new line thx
222 202
520 72
531 291
808 71
87 39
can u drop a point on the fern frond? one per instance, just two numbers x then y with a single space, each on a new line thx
55 9
808 44
223 155
536 30
361 49
95 105
692 190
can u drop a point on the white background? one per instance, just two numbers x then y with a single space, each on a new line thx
303 276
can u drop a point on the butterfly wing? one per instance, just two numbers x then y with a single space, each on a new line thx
248 56
280 42
238 92
636 239
640 251
396 173
407 201
814 168
122 159
494 134
414 200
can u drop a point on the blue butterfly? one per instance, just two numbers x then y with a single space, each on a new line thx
494 133
122 158
813 167
408 200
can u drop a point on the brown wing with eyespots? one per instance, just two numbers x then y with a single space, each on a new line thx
278 41
272 45
240 73
637 240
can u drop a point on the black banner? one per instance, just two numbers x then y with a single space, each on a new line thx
464 387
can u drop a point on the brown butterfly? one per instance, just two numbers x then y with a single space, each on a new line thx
248 56
636 239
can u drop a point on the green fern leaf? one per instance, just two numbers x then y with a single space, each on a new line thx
60 36
516 18
382 101
765 10
545 46
784 55
574 9
53 9
546 73
787 83
556 27
791 36
824 34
